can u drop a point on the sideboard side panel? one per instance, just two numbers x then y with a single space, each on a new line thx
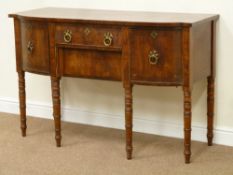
126 57
18 44
201 50
213 48
53 51
187 61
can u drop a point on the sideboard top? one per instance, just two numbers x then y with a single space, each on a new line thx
111 16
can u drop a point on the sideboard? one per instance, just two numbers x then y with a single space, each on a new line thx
146 48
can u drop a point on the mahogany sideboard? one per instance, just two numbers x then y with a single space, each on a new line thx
146 48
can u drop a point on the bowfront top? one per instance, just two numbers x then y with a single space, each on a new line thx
129 17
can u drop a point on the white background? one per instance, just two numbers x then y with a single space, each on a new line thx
157 110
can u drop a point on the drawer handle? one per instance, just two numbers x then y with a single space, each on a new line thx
108 37
67 36
153 57
30 46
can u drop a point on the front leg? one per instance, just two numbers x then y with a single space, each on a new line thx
187 123
55 84
128 120
22 102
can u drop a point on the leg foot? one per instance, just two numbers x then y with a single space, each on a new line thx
129 153
128 120
187 159
58 140
23 132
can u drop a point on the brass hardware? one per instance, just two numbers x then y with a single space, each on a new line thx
87 31
30 46
154 34
67 36
108 37
153 57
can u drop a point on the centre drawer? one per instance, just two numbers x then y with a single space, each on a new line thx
92 35
89 63
156 55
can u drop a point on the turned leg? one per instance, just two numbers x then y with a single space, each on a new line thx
187 124
22 103
128 120
210 109
55 83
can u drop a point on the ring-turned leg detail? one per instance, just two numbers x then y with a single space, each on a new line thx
55 83
128 120
22 102
187 124
210 109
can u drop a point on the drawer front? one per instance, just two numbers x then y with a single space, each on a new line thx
89 35
156 55
35 47
86 63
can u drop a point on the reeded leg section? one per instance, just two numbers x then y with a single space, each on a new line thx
210 110
55 83
22 102
187 124
128 120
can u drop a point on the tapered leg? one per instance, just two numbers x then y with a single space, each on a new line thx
22 102
128 120
210 109
55 83
187 124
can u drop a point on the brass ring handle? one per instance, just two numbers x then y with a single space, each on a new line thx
67 36
108 38
153 57
30 46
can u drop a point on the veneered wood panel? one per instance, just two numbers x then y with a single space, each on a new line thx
167 44
36 34
89 34
90 63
